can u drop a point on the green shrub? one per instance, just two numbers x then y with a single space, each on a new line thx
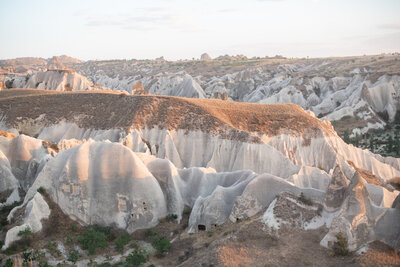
121 241
92 239
9 263
25 232
105 230
135 259
43 264
27 256
161 244
340 245
210 233
73 256
53 250
68 239
41 190
134 245
10 250
150 233
171 217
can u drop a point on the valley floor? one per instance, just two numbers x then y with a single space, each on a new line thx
244 243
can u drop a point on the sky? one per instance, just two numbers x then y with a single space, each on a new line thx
183 29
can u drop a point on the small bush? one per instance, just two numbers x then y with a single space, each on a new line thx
73 256
10 250
305 200
134 245
44 264
340 246
346 117
105 230
25 232
210 233
68 239
121 241
161 244
135 259
171 217
27 256
9 263
41 190
150 233
92 239
53 250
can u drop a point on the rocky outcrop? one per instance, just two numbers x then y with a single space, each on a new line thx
137 89
336 193
59 80
205 57
36 210
55 64
129 161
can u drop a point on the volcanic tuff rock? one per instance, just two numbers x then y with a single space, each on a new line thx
360 87
144 157
205 57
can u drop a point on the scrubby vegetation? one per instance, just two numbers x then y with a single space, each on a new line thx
340 247
161 244
380 141
73 256
92 240
135 259
41 190
121 241
25 232
171 217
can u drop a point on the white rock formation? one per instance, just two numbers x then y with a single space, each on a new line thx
59 80
35 210
161 160
24 155
325 86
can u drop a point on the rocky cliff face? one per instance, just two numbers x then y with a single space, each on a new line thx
144 157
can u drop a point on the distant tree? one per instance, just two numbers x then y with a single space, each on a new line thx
346 136
357 139
371 144
389 146
340 247
396 145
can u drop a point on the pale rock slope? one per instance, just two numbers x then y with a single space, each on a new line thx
151 156
36 209
56 79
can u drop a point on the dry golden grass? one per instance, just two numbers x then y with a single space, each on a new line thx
107 110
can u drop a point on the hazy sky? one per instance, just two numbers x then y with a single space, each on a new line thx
175 29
